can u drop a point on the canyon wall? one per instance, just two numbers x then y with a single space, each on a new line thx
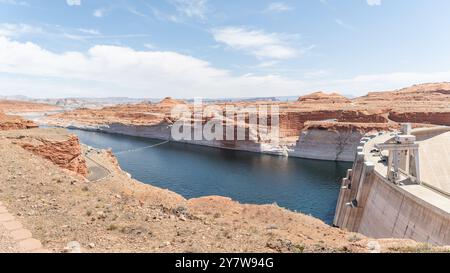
334 141
428 117
380 110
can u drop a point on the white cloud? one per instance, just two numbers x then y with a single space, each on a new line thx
162 16
89 31
28 69
374 2
73 2
55 31
321 73
15 30
278 7
344 25
256 42
362 84
191 8
149 46
112 70
15 2
99 13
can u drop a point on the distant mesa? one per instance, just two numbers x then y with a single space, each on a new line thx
168 102
427 93
9 122
442 88
322 97
13 106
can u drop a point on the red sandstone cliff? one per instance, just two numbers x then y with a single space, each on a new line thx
424 104
63 150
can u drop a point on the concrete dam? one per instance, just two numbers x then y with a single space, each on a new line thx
399 187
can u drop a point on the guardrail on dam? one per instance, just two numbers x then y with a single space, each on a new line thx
399 187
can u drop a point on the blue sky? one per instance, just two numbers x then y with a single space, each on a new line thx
212 48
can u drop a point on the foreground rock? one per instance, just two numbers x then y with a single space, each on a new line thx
120 214
59 148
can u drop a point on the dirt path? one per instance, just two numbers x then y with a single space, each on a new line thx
7 244
97 171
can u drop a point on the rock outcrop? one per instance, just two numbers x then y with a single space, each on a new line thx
63 150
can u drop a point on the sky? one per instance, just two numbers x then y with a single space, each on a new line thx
217 48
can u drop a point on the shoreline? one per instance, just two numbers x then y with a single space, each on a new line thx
286 151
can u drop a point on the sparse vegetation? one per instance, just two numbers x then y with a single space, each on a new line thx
420 248
112 227
354 238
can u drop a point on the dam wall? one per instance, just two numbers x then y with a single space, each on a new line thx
372 203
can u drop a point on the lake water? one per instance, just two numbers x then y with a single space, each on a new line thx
307 186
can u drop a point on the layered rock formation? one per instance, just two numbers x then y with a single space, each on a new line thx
425 103
422 104
63 150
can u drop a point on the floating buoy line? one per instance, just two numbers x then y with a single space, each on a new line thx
142 148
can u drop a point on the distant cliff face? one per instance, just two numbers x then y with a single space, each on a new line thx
321 97
12 106
420 104
428 117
